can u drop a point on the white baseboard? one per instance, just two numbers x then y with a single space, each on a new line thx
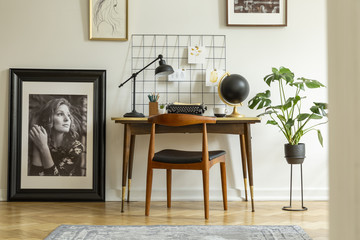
3 194
314 194
318 194
279 194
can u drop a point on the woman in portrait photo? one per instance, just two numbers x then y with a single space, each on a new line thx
55 141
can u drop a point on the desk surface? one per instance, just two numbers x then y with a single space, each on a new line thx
218 120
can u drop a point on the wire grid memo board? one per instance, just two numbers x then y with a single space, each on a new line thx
146 47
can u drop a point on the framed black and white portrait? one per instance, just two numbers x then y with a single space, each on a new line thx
57 135
252 13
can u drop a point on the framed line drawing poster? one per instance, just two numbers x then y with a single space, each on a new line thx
57 135
252 13
108 20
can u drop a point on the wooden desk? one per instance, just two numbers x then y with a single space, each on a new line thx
140 126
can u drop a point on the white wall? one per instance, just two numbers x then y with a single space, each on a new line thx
54 34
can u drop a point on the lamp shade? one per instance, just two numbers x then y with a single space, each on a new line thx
163 69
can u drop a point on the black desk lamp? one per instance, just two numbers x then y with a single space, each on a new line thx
162 70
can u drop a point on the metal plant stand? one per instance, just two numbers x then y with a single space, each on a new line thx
290 208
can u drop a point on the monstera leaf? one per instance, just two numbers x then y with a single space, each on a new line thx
288 115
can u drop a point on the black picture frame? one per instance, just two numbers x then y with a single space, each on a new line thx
260 13
47 81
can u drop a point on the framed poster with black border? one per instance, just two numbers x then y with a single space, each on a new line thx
260 13
57 135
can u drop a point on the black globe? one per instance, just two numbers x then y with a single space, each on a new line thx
234 89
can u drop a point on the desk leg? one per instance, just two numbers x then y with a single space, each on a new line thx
131 160
249 163
243 161
126 154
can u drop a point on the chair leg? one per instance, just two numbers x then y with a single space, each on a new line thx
205 173
168 187
223 184
148 190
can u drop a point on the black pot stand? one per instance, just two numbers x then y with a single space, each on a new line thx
295 154
290 208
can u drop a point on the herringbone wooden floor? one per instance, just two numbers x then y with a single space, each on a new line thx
35 220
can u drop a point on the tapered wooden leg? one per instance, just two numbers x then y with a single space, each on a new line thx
249 163
131 161
148 190
243 161
223 184
126 154
168 187
205 173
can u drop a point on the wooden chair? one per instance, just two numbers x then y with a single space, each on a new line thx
185 160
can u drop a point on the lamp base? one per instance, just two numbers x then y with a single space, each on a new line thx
134 113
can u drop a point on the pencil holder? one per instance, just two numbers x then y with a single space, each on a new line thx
153 108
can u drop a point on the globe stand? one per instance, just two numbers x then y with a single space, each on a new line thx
235 113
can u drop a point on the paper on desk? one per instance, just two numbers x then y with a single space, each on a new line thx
178 103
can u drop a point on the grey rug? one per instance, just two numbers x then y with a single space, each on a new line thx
191 232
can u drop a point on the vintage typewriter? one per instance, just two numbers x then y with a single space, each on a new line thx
186 108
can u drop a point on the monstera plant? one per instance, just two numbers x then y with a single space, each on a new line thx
288 115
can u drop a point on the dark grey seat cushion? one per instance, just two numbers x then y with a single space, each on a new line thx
178 156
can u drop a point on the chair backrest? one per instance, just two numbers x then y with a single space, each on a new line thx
177 120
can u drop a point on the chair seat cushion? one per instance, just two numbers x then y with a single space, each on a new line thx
178 156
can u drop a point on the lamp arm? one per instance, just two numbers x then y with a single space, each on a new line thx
132 76
135 74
